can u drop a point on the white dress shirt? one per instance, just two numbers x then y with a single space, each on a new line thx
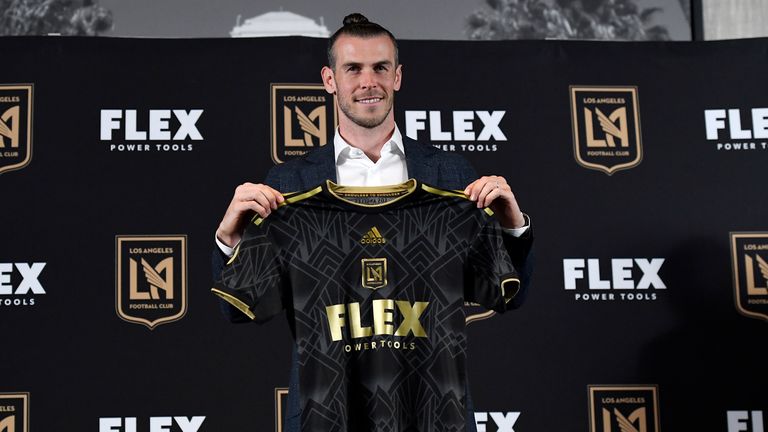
354 168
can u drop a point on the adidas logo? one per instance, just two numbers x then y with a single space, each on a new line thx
373 236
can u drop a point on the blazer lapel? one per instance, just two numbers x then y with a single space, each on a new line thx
321 167
419 162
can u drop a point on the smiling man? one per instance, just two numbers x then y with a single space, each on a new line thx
368 149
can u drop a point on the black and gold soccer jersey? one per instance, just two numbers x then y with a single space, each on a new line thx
373 281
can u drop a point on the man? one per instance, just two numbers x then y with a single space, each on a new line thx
368 150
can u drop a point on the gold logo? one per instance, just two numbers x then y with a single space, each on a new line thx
151 279
14 412
15 126
619 408
606 127
373 236
749 254
300 119
281 402
374 273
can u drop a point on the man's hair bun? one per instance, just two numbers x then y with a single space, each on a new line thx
355 18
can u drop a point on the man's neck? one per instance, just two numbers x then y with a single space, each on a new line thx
369 140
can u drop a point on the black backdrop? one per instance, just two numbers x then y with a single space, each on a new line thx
690 343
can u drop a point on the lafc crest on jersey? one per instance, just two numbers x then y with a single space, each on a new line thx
374 273
606 127
151 279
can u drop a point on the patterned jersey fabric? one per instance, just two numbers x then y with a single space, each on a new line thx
373 281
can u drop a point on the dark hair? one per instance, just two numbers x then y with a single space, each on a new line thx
357 25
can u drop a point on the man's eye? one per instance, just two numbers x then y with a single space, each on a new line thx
353 69
381 68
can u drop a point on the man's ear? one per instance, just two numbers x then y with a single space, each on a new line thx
329 81
398 77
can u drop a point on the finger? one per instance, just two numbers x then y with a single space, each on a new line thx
469 187
484 192
246 206
476 188
264 198
273 195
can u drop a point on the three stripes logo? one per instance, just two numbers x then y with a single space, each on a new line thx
373 236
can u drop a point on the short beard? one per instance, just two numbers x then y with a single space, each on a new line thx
368 123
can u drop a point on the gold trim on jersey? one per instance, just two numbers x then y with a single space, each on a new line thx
234 255
480 316
290 198
406 188
234 301
509 296
443 192
451 193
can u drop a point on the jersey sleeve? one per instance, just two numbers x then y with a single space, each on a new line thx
490 278
252 281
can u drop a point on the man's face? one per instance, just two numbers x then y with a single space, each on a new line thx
365 79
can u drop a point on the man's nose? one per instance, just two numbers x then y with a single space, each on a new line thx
368 79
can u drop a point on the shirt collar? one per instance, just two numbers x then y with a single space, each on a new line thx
341 148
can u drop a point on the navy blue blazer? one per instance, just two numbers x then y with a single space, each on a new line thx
425 163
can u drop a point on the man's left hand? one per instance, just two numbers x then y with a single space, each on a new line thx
494 192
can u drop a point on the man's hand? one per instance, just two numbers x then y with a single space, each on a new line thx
494 192
248 198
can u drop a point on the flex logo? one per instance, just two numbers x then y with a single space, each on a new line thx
154 424
21 281
166 129
503 421
159 125
626 276
734 129
745 421
462 125
383 311
749 261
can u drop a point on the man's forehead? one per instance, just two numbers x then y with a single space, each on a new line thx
353 49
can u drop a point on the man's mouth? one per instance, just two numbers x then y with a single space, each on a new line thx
369 100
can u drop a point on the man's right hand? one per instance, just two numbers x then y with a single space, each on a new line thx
249 198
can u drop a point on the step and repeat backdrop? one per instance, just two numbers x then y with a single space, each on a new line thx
642 165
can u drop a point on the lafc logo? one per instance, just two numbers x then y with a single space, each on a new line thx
624 408
15 126
373 236
151 279
14 412
606 127
374 273
749 254
303 118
